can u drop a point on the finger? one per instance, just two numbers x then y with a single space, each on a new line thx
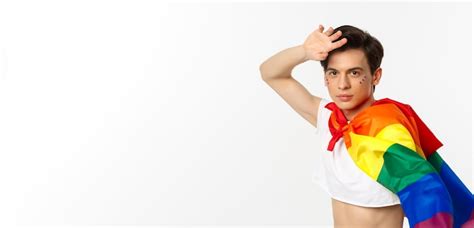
321 28
329 31
336 35
339 43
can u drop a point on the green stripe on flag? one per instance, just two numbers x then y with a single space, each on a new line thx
436 161
402 167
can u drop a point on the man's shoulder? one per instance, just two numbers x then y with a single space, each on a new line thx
393 107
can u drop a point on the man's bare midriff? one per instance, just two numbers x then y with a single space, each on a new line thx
349 215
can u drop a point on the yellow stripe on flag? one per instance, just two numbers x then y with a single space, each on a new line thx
367 152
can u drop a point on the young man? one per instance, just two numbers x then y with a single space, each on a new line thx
351 60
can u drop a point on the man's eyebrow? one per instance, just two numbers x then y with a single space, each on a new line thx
353 68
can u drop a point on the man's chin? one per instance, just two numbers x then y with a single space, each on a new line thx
343 105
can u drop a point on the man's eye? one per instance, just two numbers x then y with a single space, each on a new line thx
331 73
355 73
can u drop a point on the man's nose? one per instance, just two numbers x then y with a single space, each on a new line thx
343 83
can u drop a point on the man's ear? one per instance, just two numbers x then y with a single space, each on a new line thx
377 76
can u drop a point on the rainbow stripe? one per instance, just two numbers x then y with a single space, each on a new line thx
397 150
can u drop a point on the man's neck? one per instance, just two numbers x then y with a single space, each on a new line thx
350 113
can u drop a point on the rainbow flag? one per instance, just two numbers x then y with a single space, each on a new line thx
391 144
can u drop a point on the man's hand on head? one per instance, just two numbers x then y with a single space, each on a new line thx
318 44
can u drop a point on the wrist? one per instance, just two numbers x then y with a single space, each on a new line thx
302 53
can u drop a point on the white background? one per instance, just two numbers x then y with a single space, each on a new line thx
139 113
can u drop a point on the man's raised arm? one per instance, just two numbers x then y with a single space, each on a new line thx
276 71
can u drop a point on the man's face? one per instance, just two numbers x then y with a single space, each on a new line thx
348 74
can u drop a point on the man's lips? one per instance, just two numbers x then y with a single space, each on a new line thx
344 97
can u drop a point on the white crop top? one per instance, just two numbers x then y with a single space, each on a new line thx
339 176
